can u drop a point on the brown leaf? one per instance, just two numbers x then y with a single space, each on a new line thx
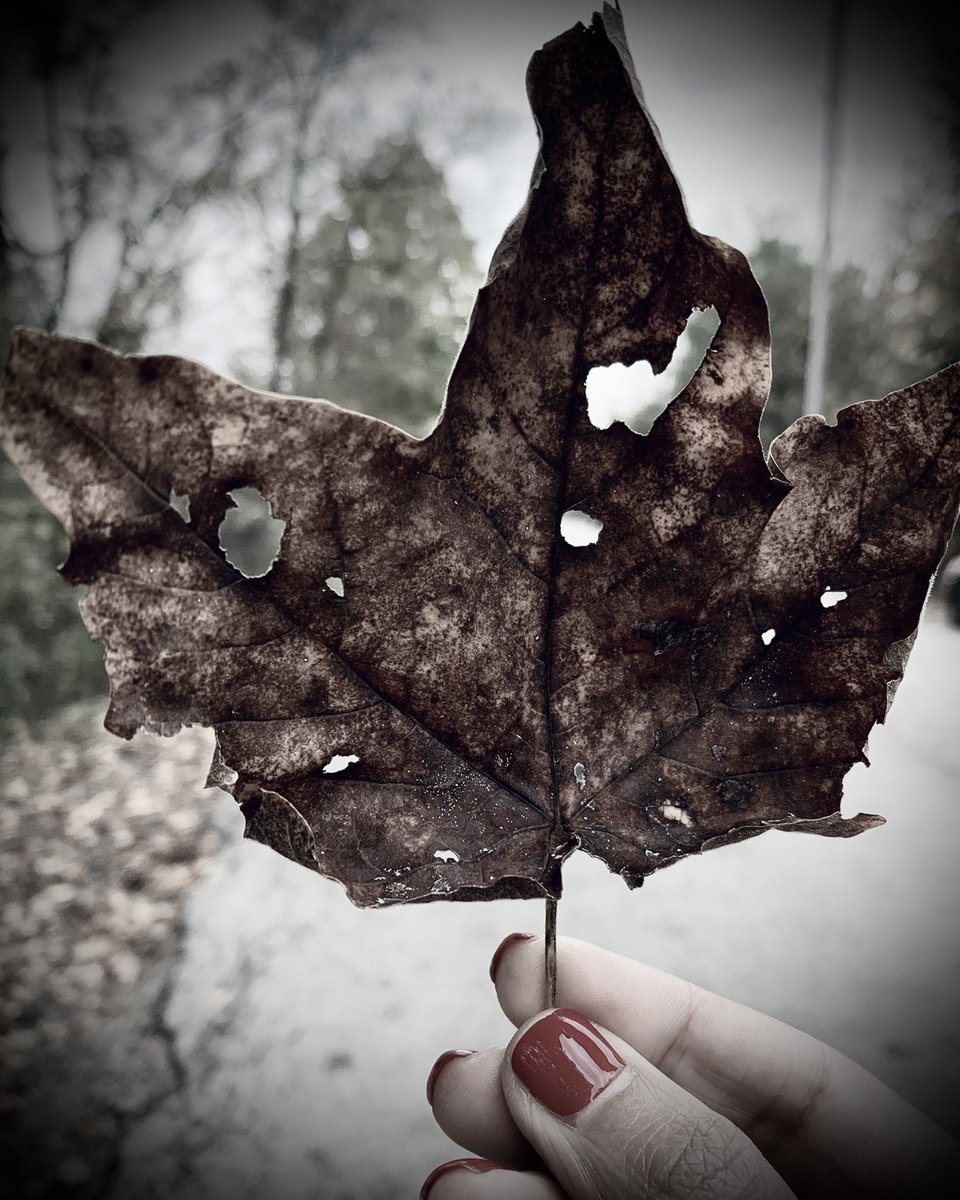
495 696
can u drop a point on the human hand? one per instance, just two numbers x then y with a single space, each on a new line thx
644 1085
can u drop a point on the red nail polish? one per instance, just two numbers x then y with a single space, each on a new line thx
476 1166
565 1061
447 1056
504 946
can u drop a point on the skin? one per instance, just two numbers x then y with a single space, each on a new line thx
716 1100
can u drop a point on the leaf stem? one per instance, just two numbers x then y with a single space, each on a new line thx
550 952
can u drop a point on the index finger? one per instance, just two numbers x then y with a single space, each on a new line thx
827 1125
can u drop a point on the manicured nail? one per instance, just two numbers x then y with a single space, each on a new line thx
504 946
476 1166
565 1062
447 1056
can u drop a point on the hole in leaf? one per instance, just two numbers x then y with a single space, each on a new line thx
580 775
339 762
634 394
767 636
335 584
180 505
579 528
249 534
673 812
446 855
832 599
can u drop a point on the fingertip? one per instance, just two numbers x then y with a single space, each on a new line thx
467 1101
435 1071
487 1179
512 939
466 1166
519 972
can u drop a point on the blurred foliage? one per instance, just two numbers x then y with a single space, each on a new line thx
368 272
127 196
118 180
312 46
386 284
46 657
883 335
925 274
865 360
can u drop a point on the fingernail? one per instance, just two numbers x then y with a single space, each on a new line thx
447 1056
565 1062
476 1166
504 946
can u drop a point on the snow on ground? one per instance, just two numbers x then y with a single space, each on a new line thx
332 1016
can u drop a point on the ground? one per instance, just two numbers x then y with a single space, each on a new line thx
187 1014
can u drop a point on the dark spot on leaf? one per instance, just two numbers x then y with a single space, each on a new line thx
149 370
736 793
664 634
249 534
251 806
673 817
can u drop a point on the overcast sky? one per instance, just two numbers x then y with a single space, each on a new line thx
736 88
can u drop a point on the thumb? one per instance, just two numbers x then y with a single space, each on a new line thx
609 1126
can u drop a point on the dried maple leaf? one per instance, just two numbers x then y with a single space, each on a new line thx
496 696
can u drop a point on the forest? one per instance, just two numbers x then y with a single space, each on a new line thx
337 230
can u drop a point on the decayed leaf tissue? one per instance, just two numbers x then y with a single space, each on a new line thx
431 693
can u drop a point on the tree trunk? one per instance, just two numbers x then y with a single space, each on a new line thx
286 297
51 119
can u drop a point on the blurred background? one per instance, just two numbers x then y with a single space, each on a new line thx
305 195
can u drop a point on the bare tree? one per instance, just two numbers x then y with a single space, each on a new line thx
137 181
312 46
